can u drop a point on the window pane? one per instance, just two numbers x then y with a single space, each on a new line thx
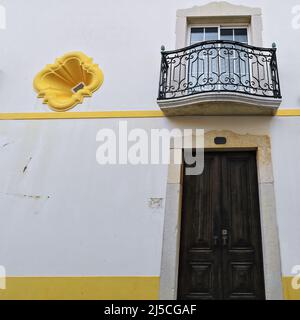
226 34
211 34
197 35
241 35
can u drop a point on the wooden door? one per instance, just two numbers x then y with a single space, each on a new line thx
221 250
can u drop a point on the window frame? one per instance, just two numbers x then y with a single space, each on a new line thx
219 26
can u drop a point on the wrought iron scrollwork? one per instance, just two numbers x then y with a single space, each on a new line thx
219 66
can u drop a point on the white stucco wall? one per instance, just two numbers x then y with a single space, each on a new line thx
67 215
124 37
286 154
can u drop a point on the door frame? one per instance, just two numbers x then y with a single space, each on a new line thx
269 228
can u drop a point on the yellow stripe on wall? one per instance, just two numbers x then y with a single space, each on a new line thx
96 288
81 115
110 114
288 113
81 288
289 292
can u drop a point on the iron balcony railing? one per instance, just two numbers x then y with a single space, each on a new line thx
219 66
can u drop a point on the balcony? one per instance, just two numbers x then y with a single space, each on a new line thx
219 78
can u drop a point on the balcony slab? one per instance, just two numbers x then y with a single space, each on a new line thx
220 104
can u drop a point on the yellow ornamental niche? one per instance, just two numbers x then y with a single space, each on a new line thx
65 83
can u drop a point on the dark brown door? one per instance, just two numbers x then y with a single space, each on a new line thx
221 251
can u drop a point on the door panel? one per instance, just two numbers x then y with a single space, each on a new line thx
242 255
200 271
220 253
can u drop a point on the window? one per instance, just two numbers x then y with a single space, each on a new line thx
220 64
199 34
203 34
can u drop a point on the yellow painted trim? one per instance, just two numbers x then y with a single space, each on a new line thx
288 113
96 288
108 114
289 292
81 115
81 288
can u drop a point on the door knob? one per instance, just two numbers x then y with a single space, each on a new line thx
225 237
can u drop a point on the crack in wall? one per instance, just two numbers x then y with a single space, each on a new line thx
26 167
20 195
